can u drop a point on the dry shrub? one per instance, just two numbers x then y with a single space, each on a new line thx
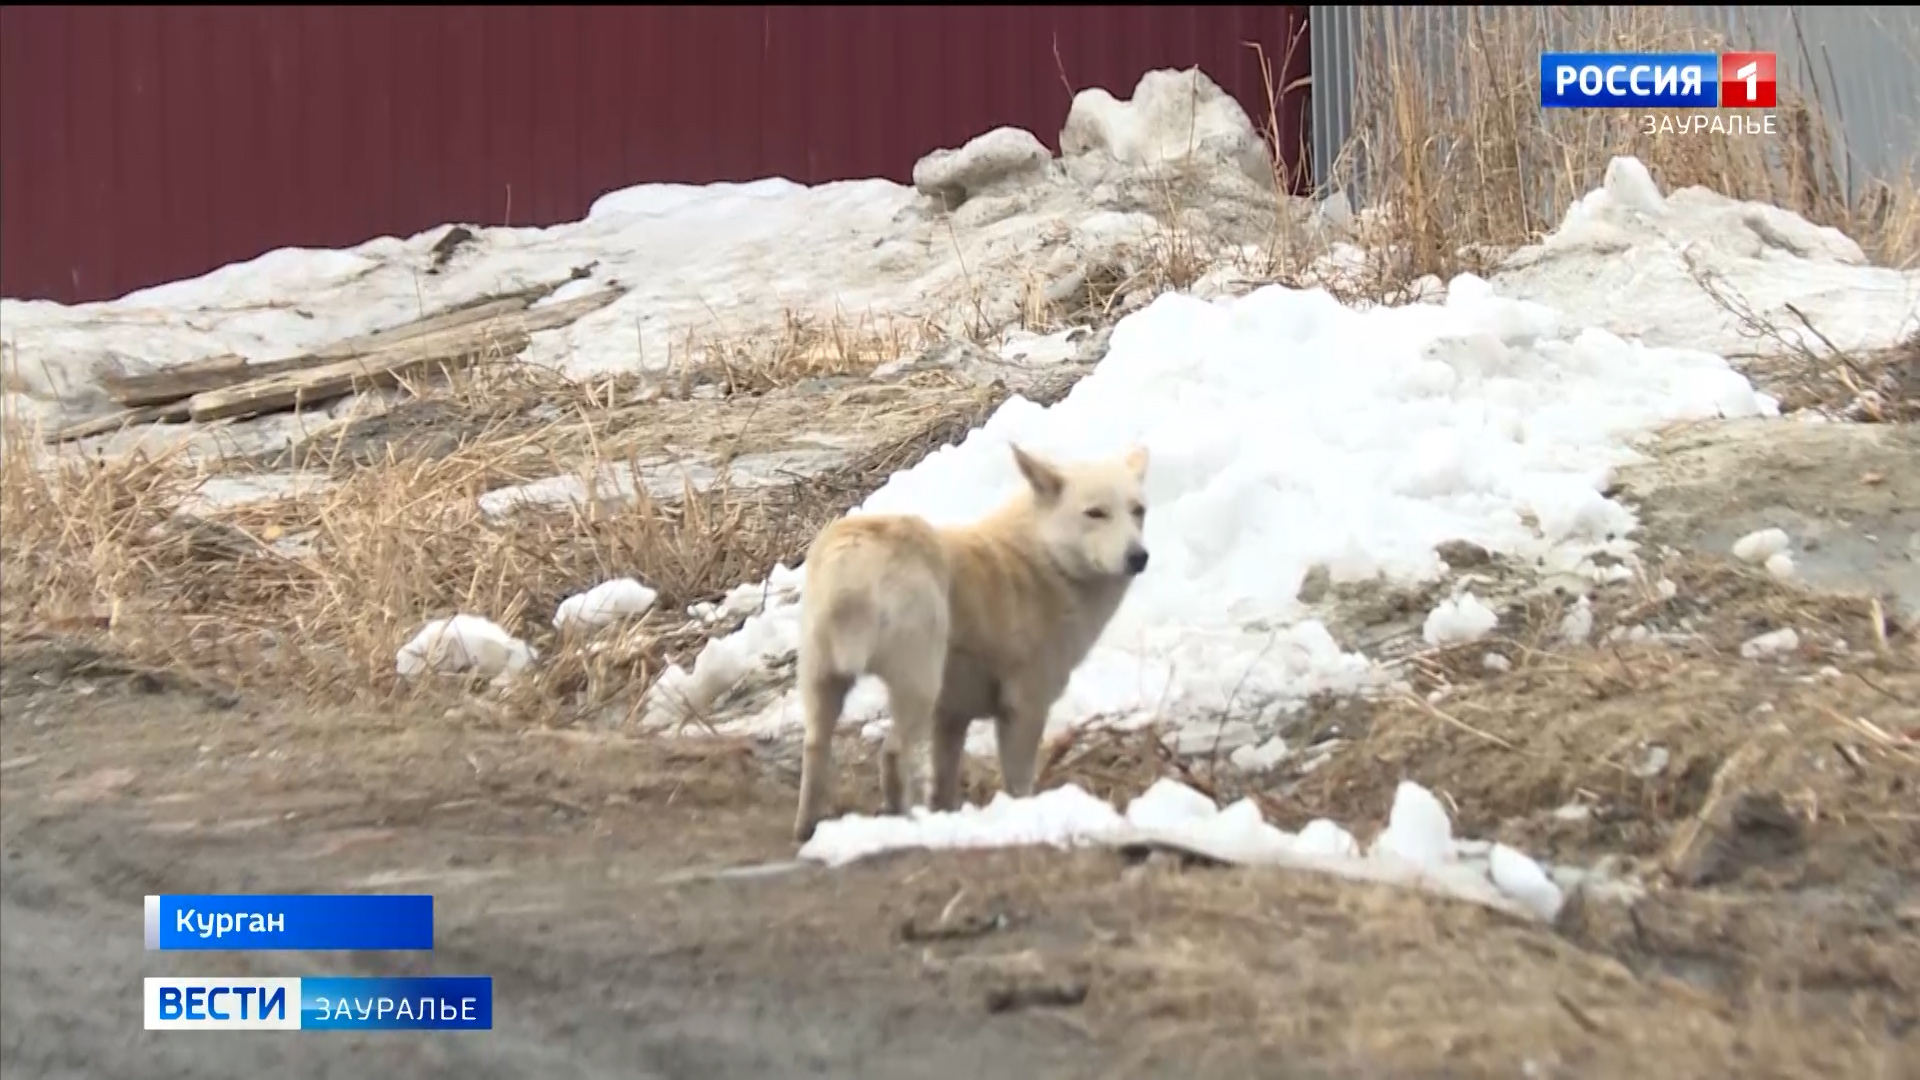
1450 140
806 347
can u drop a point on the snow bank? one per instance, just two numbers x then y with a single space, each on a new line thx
1416 849
1287 432
1619 261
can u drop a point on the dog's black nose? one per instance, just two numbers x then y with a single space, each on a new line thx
1136 560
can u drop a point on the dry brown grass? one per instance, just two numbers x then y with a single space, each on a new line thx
317 590
805 347
1576 723
1450 138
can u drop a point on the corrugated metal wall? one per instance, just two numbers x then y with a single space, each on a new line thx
146 144
1863 62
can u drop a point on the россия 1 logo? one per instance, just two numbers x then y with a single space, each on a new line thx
1743 80
1747 80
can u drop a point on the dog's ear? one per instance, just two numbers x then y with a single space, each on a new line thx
1137 461
1043 478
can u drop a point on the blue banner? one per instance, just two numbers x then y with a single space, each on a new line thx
1629 80
371 921
397 1003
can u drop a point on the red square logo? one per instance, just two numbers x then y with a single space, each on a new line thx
1746 80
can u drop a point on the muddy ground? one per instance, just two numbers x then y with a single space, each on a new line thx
1778 839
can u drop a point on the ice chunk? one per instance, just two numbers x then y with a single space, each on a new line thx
1761 545
463 643
1459 620
1418 829
609 601
1772 643
1521 878
1169 804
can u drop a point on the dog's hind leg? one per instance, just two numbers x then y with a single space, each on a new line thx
903 757
912 666
824 695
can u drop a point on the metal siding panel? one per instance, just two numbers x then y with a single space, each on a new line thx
417 79
734 83
552 106
602 102
272 151
322 169
90 82
461 103
873 68
138 183
372 122
894 78
29 109
246 218
677 97
303 125
185 137
510 114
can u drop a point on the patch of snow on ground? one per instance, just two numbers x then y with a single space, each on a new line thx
1287 431
1416 849
1060 817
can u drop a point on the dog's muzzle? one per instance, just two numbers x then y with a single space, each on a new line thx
1136 560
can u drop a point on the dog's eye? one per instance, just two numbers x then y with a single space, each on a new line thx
1138 511
1097 513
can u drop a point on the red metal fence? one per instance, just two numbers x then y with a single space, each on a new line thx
146 144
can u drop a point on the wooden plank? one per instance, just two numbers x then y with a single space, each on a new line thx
219 372
173 412
312 386
454 347
457 346
469 314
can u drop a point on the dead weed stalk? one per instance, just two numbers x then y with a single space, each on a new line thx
1451 145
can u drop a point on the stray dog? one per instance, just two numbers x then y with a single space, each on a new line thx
984 620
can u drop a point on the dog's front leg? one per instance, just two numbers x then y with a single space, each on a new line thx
1018 728
949 759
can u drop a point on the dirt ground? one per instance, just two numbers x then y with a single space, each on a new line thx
597 875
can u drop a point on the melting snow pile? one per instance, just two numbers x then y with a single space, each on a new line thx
1630 259
1289 432
1416 849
